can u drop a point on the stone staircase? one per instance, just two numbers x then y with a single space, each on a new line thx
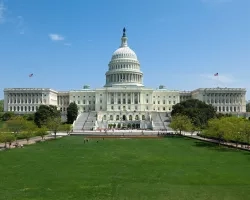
161 121
85 121
166 119
90 121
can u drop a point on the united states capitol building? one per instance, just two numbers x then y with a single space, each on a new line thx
123 101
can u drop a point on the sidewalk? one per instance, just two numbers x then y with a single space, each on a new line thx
228 144
32 140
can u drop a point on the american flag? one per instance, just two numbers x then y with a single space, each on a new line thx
216 74
30 75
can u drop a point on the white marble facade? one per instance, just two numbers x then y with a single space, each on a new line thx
123 94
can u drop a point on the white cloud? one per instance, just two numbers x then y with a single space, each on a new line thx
2 12
56 37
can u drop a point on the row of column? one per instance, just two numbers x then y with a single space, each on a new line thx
224 100
23 108
62 100
228 109
133 99
125 77
24 99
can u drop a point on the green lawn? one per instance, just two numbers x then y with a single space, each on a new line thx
1 124
118 169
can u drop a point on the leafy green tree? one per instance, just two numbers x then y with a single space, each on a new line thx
7 116
29 117
7 138
30 130
54 125
181 123
44 113
1 105
220 115
42 132
72 112
16 125
66 127
248 107
198 111
214 130
245 129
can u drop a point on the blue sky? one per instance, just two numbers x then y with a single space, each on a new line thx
180 43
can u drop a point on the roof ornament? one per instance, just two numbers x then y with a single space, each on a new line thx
124 32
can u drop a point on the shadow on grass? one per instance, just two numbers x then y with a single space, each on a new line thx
215 146
173 136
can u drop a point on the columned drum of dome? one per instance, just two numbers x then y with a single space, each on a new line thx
124 67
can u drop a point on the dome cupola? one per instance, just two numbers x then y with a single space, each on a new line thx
124 67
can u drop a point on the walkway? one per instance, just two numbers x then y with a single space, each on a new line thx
32 140
228 144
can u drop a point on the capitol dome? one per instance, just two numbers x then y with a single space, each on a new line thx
124 52
124 67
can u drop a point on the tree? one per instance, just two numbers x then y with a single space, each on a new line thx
44 113
42 132
7 116
54 125
72 112
220 129
1 105
30 130
181 123
66 127
7 138
29 117
198 111
245 129
16 125
248 107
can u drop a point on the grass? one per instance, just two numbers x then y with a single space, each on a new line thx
2 124
119 169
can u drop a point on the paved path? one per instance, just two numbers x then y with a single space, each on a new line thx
229 144
31 141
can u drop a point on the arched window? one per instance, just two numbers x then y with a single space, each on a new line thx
117 117
137 117
130 117
111 117
143 117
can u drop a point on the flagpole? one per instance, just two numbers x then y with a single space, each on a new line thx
218 80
